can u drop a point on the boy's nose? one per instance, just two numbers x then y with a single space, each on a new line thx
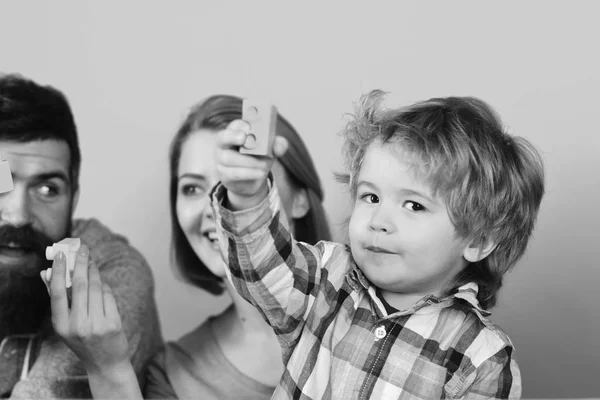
381 221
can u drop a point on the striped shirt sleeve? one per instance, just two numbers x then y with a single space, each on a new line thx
266 265
497 377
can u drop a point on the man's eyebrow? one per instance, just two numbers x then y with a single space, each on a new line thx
46 176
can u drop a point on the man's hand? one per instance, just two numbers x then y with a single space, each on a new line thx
244 176
92 327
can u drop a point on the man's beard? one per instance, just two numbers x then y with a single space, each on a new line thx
24 299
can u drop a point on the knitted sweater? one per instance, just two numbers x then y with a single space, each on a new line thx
56 371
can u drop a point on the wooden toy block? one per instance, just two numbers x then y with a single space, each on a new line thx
6 182
69 247
262 118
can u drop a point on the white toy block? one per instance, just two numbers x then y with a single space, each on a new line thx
69 247
6 182
262 118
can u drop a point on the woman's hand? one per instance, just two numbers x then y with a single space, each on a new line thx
92 328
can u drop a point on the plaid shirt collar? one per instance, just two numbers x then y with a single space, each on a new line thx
468 293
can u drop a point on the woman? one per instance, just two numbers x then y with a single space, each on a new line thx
234 355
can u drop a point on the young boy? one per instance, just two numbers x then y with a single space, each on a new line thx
444 204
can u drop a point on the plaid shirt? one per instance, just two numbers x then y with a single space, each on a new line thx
337 338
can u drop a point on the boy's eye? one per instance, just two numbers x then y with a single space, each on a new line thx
413 206
370 198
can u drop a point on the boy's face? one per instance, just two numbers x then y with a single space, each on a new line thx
400 234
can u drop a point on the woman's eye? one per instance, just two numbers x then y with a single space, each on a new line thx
413 206
370 198
191 190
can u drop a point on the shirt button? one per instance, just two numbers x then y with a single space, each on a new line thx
380 333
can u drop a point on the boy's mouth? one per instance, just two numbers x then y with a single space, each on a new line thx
376 249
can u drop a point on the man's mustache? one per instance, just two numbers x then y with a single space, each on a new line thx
25 237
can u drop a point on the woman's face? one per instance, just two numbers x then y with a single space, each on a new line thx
196 176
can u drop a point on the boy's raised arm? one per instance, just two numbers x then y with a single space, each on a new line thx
265 264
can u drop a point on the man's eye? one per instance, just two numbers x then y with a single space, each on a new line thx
48 190
370 198
413 206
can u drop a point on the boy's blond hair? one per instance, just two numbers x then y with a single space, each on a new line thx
492 182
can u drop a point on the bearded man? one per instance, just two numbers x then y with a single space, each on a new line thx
38 137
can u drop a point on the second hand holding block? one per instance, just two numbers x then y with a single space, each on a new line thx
69 247
262 118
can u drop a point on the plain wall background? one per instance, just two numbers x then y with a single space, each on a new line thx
131 70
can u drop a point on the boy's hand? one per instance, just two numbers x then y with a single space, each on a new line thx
244 176
91 328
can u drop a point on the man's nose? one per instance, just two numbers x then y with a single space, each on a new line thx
15 207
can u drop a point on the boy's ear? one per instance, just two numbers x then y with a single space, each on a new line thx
477 250
300 205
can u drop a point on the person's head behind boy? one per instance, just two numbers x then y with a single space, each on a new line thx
442 197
